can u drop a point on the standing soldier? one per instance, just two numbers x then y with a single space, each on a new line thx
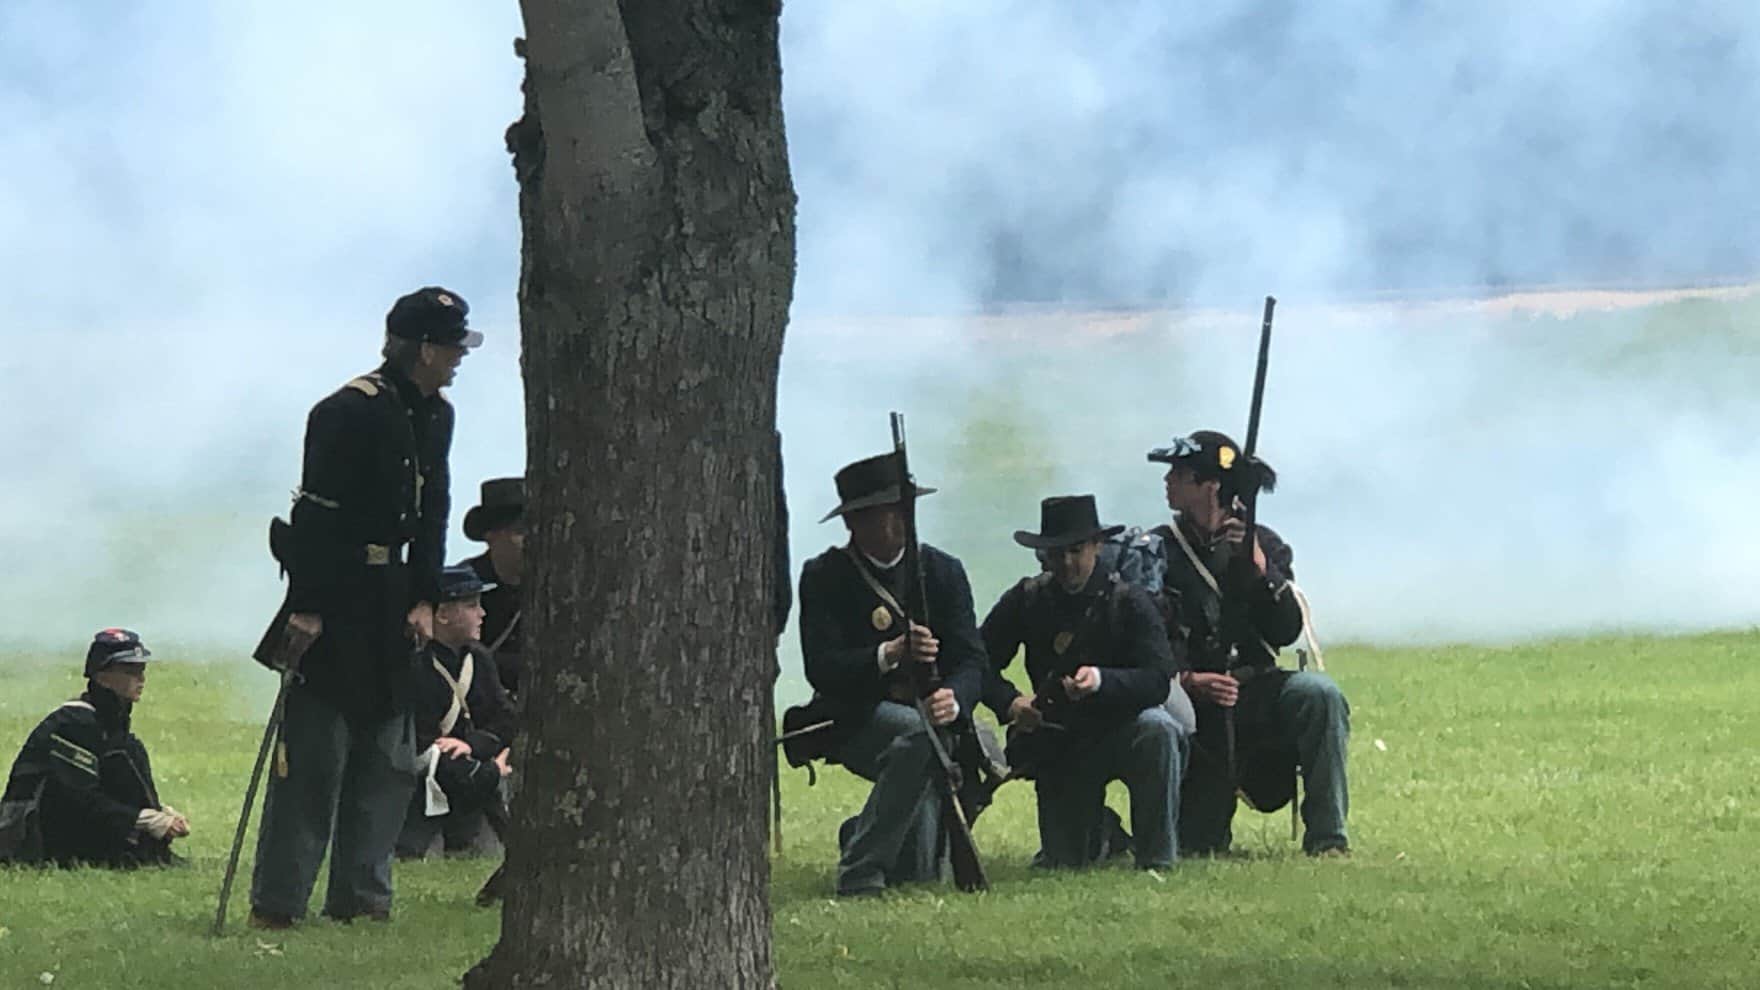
1281 718
363 558
1099 660
858 655
499 520
84 777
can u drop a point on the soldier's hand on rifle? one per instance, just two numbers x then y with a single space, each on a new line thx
452 748
501 762
1023 715
924 646
310 624
1085 682
943 708
1217 689
1235 531
421 621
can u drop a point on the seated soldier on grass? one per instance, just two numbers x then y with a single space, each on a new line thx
464 725
1098 656
81 790
859 657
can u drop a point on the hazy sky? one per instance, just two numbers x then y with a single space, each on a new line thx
207 208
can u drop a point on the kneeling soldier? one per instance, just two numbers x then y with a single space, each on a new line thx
498 519
464 724
858 656
1098 656
86 778
1281 718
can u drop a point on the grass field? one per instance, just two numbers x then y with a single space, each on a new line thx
1579 813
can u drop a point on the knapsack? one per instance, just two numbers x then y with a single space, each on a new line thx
21 828
1139 557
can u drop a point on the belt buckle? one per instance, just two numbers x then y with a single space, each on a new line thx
378 555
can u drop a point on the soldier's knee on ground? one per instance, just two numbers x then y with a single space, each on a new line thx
910 748
1156 730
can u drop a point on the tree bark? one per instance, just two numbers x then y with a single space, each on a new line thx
658 266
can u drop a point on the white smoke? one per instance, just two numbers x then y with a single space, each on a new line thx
208 208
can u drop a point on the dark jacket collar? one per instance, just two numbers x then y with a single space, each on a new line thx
484 565
452 659
1099 581
1204 543
113 712
407 392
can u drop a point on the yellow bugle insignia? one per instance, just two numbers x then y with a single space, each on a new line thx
1061 643
881 618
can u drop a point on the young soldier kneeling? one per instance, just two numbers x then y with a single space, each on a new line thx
81 790
1098 656
464 724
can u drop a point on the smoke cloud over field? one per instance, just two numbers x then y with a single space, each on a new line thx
207 209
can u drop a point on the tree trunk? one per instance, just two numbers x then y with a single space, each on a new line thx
658 266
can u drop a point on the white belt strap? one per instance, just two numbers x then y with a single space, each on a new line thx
460 688
1308 626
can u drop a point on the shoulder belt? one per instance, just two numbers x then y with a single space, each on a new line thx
874 584
1192 556
507 633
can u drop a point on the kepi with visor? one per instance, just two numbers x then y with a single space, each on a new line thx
433 315
111 647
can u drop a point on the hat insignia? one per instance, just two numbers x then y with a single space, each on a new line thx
1061 643
881 618
1225 458
444 299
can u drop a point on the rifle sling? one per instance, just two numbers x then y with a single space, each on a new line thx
501 640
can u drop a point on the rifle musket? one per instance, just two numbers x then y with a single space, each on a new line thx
804 730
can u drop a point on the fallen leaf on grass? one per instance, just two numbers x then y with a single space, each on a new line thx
1158 877
1380 745
45 978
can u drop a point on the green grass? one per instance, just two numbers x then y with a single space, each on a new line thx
1582 814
